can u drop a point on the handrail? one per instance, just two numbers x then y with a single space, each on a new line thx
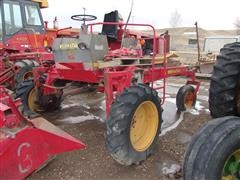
141 25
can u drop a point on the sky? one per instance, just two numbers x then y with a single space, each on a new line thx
210 14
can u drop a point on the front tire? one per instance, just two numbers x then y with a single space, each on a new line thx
134 124
185 98
214 152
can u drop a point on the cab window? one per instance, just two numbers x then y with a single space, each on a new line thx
13 17
32 15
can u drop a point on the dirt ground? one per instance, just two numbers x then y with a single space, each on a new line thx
83 117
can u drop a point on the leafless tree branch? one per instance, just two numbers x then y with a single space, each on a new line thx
175 19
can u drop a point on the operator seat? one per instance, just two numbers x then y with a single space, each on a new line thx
111 30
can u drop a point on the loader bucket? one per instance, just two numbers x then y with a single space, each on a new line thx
25 150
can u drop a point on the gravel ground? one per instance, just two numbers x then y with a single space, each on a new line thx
82 116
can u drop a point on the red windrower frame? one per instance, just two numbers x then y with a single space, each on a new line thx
117 78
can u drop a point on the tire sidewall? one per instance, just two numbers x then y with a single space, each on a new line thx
221 153
181 97
146 97
224 80
118 125
19 75
26 96
24 69
210 149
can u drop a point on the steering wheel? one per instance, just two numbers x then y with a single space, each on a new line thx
83 17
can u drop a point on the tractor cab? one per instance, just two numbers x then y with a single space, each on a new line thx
21 25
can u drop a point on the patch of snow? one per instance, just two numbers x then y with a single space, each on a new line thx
69 105
103 105
171 100
85 106
172 170
65 106
198 106
193 111
207 110
173 126
80 119
203 98
174 84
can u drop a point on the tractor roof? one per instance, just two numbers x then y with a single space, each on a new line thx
42 3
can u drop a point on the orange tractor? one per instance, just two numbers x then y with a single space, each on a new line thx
24 40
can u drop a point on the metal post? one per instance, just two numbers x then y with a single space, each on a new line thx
198 47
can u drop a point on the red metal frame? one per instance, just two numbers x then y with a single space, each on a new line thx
26 145
9 114
115 79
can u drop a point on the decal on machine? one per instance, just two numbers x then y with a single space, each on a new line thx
173 71
68 46
25 158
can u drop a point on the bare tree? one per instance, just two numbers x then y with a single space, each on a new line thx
175 19
237 26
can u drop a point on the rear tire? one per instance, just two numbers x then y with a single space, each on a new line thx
211 148
126 138
224 86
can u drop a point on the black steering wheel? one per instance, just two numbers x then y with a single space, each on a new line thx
83 17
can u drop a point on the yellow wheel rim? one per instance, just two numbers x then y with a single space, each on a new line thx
232 161
188 100
144 126
32 101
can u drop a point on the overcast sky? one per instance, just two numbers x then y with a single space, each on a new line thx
210 14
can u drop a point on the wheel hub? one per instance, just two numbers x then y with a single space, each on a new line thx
144 126
232 167
32 101
188 100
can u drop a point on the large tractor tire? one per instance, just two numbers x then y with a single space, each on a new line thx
27 93
134 125
224 91
214 152
25 70
185 98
